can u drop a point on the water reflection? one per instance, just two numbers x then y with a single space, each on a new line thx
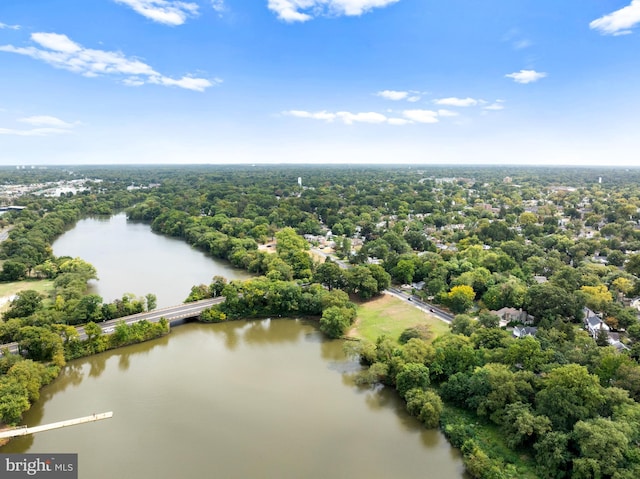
220 394
130 258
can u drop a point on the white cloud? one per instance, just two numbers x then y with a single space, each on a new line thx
321 115
218 5
517 40
346 116
45 126
421 116
349 118
526 76
619 22
187 82
10 27
393 94
520 44
60 51
497 106
456 101
303 10
133 81
397 95
399 121
168 12
34 131
46 121
56 42
366 117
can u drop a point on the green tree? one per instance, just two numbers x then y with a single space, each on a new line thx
633 265
13 270
603 445
329 274
569 394
88 308
404 271
521 427
360 281
217 285
488 320
454 353
152 301
14 400
412 376
491 388
213 315
24 304
526 353
553 456
426 405
420 331
92 330
39 343
547 301
336 320
381 276
463 324
490 338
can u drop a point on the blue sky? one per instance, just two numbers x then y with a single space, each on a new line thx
320 81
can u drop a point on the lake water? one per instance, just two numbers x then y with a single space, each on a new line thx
130 258
246 399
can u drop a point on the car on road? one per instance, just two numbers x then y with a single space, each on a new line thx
108 330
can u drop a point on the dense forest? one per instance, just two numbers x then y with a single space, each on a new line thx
558 248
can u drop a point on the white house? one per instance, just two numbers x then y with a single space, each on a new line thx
507 315
524 331
593 323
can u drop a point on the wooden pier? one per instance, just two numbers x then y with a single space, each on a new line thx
25 430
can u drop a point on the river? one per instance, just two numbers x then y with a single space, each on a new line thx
130 258
246 399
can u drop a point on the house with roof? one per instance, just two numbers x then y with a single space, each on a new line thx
508 315
521 332
614 340
593 323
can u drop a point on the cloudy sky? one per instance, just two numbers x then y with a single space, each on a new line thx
320 81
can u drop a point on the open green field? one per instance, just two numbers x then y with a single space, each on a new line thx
390 316
44 286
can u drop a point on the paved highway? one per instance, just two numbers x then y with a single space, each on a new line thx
172 313
441 314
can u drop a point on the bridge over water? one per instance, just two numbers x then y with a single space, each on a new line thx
174 314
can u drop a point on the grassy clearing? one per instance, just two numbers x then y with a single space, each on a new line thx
390 316
44 286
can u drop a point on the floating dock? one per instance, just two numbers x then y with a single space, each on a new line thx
25 430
